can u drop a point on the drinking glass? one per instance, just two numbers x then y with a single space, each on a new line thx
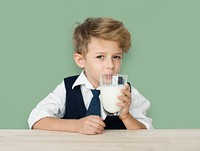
110 86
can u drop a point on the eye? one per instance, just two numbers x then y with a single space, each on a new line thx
117 57
100 57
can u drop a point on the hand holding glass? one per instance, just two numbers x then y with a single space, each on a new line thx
111 86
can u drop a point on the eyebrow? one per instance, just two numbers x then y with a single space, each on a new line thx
119 53
104 52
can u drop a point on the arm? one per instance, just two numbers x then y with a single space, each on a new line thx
48 113
55 124
86 125
131 123
127 118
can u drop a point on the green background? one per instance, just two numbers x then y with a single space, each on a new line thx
163 63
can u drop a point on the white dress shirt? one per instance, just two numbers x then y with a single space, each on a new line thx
54 104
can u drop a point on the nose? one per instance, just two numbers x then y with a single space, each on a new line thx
110 64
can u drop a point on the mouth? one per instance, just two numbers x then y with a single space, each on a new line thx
108 77
109 74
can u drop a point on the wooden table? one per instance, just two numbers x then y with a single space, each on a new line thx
111 140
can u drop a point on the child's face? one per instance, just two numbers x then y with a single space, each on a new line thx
104 57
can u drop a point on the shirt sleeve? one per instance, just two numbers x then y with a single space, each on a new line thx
139 107
51 106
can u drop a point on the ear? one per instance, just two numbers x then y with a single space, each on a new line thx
79 59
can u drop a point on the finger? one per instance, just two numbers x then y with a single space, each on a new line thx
90 132
120 104
124 104
91 127
124 98
96 123
126 92
98 120
96 128
127 86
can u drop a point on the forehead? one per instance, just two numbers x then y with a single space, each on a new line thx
101 45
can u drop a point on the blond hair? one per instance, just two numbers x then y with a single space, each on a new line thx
105 28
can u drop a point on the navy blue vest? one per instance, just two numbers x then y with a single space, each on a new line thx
75 107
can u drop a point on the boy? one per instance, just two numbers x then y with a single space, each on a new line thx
99 45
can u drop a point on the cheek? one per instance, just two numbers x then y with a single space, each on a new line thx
93 67
118 64
117 67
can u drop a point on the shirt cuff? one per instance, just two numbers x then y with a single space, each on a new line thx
34 117
147 123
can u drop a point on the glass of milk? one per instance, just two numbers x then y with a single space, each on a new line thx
110 86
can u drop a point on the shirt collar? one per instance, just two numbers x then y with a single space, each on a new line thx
82 80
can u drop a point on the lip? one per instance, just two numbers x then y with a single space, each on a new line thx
109 74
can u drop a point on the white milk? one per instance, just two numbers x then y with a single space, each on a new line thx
109 98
